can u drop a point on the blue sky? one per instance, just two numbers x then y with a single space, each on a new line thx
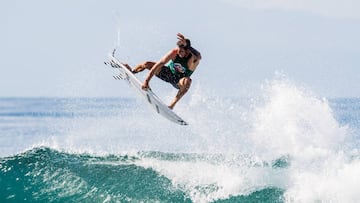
57 48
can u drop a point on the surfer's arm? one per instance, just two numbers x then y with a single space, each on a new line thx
157 67
195 52
195 59
154 69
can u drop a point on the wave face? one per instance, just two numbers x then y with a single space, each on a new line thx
281 144
46 175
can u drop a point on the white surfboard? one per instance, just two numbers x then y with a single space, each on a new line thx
149 96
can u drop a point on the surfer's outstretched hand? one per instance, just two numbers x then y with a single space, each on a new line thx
145 86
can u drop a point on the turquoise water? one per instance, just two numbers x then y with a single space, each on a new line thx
43 175
286 145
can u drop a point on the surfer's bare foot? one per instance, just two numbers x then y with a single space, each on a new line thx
128 67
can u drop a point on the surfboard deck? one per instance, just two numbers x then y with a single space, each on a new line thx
148 95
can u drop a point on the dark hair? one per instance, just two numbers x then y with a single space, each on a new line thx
188 44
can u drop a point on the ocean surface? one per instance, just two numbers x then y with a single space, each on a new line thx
284 145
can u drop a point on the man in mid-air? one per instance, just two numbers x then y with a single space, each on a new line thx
175 67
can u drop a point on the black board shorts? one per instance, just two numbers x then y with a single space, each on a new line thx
166 75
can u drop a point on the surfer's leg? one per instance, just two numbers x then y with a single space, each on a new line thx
127 66
146 65
184 85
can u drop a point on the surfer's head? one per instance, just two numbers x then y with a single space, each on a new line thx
184 49
181 45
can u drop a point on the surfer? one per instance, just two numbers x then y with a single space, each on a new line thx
175 67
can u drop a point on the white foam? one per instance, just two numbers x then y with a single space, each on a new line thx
207 180
285 120
333 179
294 122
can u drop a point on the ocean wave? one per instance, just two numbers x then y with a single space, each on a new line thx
47 175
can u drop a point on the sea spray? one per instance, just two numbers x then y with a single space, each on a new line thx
292 120
283 145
